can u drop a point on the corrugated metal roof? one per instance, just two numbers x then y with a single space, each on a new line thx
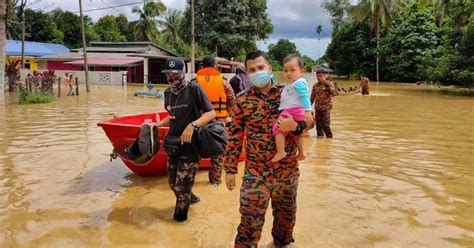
77 55
106 62
34 49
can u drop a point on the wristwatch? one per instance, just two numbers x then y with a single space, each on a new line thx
194 125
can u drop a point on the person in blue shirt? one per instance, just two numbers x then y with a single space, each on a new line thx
294 102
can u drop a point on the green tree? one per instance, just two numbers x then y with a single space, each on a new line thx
130 31
145 28
380 14
459 11
122 24
281 49
108 30
337 9
39 26
230 27
352 50
308 63
68 24
171 27
412 35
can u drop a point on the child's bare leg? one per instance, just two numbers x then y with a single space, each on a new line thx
280 145
301 152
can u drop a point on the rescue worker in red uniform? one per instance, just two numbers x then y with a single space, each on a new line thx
254 115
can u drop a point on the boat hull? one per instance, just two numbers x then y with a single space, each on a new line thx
123 131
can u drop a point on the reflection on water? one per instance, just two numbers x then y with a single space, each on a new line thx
399 173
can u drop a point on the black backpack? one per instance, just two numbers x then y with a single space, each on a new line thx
142 151
212 139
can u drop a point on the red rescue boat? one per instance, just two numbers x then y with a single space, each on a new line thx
123 131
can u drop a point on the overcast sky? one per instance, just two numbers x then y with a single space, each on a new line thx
296 21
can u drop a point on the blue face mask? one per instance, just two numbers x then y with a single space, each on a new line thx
260 79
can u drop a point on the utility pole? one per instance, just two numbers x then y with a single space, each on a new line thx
22 38
86 66
192 37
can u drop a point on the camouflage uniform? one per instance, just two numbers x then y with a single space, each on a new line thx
181 173
263 181
322 95
364 89
217 162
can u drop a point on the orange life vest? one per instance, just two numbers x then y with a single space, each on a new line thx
212 81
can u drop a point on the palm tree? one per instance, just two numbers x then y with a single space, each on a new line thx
459 11
171 26
380 12
3 34
145 28
319 29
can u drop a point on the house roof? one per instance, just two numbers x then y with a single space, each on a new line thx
34 49
130 44
106 62
112 49
76 56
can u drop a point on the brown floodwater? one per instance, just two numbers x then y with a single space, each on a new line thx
398 173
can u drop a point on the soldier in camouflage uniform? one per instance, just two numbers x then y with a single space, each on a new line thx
254 115
364 86
321 95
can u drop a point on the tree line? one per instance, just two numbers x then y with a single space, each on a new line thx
404 40
227 29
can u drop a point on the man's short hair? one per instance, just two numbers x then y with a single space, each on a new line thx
255 54
209 62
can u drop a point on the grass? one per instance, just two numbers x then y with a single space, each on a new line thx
32 98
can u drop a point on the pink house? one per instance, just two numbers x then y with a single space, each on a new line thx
141 62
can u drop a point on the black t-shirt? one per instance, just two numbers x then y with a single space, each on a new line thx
186 107
236 85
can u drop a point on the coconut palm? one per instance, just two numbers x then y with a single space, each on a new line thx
145 28
460 11
171 26
319 29
3 34
380 12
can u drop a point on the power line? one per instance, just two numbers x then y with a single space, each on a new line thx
110 7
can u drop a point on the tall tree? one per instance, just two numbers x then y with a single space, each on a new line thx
231 27
69 24
459 10
380 14
319 29
39 26
171 26
3 37
108 30
122 23
352 50
412 35
337 9
281 49
145 28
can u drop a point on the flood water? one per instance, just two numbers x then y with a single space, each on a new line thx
398 173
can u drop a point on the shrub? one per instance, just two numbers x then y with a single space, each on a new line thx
12 72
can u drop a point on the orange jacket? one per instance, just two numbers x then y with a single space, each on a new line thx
212 81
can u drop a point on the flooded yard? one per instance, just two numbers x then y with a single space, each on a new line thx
398 173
